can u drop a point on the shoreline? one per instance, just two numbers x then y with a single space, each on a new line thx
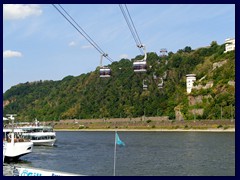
154 130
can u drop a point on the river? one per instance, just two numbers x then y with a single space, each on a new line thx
144 154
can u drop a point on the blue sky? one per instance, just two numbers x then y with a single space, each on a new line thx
39 44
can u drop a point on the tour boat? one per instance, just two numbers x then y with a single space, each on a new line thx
14 145
39 135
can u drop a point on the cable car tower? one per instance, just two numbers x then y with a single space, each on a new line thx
104 70
163 52
141 65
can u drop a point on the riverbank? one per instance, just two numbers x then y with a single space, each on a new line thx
154 130
147 124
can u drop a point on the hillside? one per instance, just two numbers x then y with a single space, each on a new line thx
88 96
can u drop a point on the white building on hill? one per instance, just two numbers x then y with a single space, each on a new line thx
191 78
229 44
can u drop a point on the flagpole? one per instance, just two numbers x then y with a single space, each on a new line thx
115 149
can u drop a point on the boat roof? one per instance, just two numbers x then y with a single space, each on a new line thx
15 130
36 127
41 134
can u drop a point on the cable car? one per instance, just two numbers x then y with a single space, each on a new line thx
145 86
104 70
160 85
163 52
141 65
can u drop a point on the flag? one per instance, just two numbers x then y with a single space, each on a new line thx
119 141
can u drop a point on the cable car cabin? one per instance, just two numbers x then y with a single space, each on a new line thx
145 86
160 85
105 72
140 66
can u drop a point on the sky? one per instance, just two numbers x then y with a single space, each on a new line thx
39 44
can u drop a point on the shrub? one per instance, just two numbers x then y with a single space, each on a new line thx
220 126
226 127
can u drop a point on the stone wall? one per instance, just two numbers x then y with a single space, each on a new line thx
138 119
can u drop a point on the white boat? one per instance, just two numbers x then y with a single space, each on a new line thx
14 145
39 135
4 149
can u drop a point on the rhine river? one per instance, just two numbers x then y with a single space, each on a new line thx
145 154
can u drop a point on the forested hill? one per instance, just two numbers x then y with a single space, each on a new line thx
122 95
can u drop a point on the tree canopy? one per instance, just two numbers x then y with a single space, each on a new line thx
122 95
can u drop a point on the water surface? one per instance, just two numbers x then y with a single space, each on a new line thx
145 154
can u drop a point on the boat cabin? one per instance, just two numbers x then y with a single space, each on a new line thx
40 135
17 134
33 129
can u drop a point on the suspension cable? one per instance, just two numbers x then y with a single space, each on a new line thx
131 27
82 32
128 23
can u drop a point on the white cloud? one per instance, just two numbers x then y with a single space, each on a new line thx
20 11
123 56
10 54
72 43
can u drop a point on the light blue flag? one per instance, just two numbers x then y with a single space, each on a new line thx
119 141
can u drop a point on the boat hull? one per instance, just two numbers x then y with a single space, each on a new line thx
13 151
49 142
